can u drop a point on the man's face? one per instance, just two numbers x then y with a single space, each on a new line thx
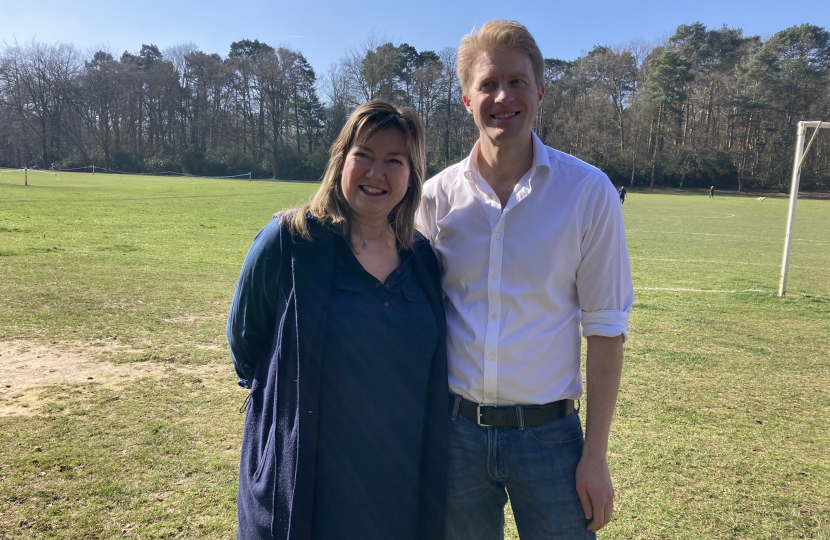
503 96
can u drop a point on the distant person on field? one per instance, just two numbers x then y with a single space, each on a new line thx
712 192
531 244
622 194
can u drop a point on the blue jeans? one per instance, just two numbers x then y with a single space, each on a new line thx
536 466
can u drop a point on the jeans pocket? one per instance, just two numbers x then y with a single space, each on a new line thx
561 432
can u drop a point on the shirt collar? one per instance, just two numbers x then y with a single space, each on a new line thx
540 159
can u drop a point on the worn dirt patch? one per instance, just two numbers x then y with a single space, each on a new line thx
26 368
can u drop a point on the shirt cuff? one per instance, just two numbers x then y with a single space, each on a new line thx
607 323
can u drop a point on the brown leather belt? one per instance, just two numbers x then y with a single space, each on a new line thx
508 416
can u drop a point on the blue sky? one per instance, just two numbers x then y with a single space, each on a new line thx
324 30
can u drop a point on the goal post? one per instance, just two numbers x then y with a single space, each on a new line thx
800 153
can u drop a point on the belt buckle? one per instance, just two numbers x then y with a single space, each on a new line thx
478 415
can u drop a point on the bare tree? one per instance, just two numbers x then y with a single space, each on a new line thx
36 78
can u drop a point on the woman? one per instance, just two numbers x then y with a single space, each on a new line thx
337 328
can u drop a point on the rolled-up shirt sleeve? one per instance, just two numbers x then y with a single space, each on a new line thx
603 280
252 317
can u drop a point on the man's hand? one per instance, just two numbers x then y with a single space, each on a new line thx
593 480
593 485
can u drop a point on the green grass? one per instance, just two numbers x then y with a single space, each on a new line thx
722 423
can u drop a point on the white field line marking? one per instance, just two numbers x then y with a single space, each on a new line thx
681 289
734 263
105 254
707 213
688 233
630 231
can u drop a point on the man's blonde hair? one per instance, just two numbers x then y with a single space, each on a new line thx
329 205
498 35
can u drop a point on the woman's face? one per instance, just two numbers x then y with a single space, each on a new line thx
376 175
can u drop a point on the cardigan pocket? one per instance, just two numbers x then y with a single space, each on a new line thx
258 444
266 458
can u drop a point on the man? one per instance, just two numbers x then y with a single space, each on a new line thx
622 194
712 192
531 242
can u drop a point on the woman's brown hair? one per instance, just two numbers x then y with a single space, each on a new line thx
329 205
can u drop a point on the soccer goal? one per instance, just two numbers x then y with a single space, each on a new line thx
26 172
800 153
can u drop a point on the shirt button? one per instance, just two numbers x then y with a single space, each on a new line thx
377 284
495 276
386 304
387 285
496 235
489 356
494 316
397 272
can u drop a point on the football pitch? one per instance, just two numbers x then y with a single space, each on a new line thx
119 406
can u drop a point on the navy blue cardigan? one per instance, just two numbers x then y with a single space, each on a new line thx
275 330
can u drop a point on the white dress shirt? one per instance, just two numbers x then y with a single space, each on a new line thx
518 282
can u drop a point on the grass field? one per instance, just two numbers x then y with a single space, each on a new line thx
118 404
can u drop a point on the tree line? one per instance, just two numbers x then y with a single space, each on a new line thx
702 107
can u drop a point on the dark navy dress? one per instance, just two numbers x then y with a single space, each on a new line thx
380 338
